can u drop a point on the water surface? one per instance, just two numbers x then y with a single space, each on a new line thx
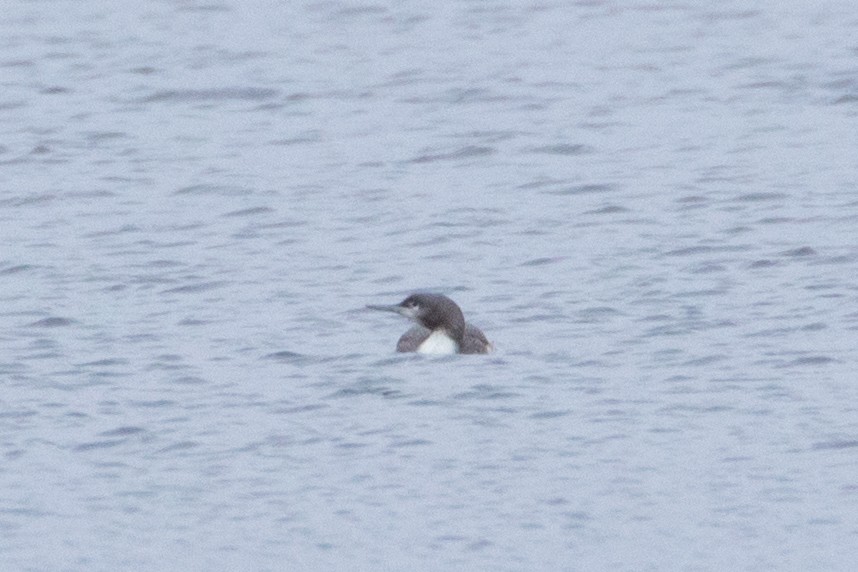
649 208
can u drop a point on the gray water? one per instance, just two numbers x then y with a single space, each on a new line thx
650 208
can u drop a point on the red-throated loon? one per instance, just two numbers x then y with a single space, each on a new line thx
440 329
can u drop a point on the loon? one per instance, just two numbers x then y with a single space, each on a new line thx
440 329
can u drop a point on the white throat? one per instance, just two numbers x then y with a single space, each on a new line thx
438 342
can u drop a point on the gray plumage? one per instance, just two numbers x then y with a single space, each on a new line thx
437 313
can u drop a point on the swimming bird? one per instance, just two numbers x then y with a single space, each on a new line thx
440 329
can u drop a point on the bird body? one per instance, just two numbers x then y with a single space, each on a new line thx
440 328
